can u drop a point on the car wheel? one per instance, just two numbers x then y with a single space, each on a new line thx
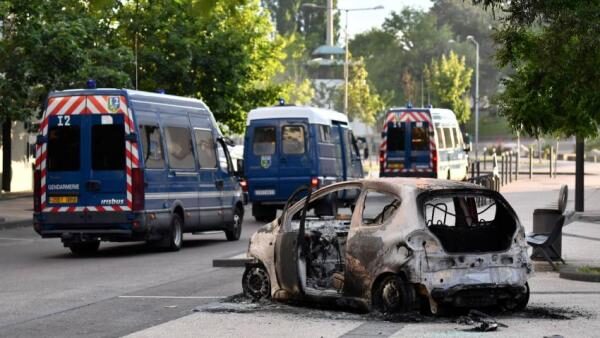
392 295
84 248
233 234
173 239
256 283
327 207
519 302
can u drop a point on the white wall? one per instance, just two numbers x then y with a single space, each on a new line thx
22 174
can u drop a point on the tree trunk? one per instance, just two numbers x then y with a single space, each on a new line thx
579 153
6 154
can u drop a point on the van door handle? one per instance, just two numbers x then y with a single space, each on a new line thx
92 185
219 184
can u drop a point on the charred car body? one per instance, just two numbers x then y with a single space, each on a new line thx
402 244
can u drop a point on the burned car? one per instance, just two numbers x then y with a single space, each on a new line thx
400 244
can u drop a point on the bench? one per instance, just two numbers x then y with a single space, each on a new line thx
544 241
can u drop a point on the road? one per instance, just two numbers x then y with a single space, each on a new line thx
45 291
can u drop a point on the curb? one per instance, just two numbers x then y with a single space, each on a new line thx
16 224
238 261
16 195
571 273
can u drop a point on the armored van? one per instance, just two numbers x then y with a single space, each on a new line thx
125 165
287 147
422 142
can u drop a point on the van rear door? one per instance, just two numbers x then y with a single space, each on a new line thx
262 159
295 165
397 139
419 153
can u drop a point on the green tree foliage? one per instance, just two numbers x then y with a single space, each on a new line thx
296 87
450 79
554 49
363 102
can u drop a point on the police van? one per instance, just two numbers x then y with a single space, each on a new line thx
422 142
126 165
286 147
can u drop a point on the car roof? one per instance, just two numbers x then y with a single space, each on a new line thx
313 114
422 184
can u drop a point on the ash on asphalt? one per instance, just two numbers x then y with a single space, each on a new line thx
241 304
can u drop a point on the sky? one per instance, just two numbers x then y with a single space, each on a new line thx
361 21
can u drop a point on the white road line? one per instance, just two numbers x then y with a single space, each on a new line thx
175 297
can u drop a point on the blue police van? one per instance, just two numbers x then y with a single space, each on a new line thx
286 147
125 165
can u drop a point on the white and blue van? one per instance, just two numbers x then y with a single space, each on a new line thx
422 142
125 165
286 147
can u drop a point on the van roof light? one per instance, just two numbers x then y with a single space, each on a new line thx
90 84
281 101
430 106
408 105
160 91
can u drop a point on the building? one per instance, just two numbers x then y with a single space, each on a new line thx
22 158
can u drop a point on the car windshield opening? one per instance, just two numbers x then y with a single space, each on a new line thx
469 222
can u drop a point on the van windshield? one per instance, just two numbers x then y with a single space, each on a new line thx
395 136
264 141
63 148
108 147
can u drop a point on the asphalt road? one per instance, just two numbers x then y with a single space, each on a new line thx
126 287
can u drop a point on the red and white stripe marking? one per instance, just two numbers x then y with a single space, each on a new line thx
86 105
407 116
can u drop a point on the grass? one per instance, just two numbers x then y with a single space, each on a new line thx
589 270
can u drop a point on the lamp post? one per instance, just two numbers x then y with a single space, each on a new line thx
472 39
329 9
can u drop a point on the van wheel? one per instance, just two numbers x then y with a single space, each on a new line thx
392 295
174 237
84 248
327 207
233 234
263 213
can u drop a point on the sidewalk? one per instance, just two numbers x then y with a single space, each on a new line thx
16 210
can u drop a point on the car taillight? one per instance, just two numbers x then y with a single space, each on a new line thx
37 191
314 182
381 158
137 182
434 161
244 185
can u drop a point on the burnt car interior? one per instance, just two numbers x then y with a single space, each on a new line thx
466 222
323 242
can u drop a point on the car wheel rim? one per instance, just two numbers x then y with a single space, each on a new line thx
257 283
177 234
236 223
390 296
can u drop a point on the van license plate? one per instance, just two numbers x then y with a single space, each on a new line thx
63 199
396 165
265 192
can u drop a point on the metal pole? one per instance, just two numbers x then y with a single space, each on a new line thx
502 168
550 161
346 69
478 169
579 151
510 158
530 161
484 158
330 22
556 159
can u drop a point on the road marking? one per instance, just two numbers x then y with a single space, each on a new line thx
565 292
175 297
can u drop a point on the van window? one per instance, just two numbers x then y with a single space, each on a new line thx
420 136
325 133
395 136
264 141
179 148
63 148
457 138
223 163
152 147
108 147
448 138
205 145
440 135
293 140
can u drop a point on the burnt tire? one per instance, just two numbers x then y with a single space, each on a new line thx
86 248
234 232
173 238
392 295
519 302
256 283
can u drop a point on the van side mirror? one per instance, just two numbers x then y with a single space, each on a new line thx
41 139
131 137
467 147
240 167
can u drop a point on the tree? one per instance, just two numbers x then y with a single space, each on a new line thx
51 45
296 87
450 79
363 101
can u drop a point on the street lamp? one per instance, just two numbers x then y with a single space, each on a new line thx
472 39
330 8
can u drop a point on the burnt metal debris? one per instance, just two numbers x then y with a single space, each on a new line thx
394 245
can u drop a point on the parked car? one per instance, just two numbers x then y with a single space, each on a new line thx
125 165
423 142
404 243
287 147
